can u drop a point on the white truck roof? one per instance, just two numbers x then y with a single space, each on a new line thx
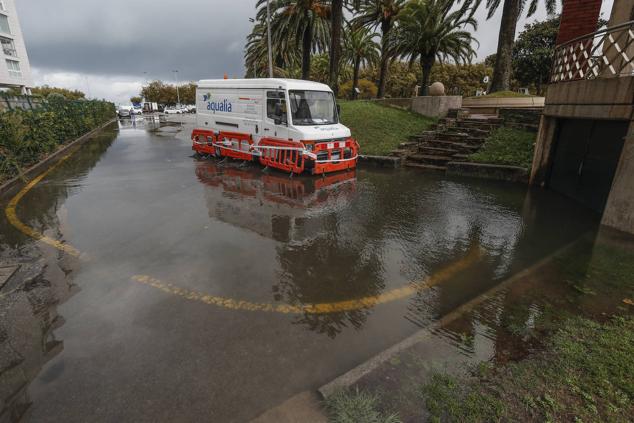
264 83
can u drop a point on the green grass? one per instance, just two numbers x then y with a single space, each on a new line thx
584 374
584 370
507 146
356 407
380 129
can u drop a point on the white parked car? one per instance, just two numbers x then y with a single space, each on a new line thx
137 111
172 110
125 111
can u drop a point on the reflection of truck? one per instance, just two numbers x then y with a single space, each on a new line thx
149 107
272 204
287 124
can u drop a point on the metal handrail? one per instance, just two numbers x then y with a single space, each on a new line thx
602 54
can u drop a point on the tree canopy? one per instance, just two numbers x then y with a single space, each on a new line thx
164 93
533 53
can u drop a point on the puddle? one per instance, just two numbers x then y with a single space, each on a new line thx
397 245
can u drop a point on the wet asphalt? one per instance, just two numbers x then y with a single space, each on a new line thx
216 238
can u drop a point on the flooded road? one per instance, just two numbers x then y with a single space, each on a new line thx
214 291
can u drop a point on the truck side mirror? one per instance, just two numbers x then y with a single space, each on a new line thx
338 110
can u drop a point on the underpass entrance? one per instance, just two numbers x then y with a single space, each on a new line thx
586 156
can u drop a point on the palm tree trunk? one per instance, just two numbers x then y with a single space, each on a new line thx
502 70
307 42
386 26
355 76
336 14
426 63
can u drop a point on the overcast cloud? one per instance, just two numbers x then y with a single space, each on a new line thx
109 48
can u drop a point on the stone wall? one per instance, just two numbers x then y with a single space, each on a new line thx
436 106
488 171
521 118
19 102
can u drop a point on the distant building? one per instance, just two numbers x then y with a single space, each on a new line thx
15 70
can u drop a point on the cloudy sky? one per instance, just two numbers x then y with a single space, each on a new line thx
109 48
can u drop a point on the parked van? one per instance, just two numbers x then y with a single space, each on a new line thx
291 125
125 111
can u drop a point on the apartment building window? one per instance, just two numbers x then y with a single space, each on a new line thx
8 48
4 24
14 68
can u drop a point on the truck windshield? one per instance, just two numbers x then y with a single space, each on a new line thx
312 107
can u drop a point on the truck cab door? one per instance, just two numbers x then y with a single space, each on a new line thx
276 117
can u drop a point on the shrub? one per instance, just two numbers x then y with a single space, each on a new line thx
27 136
368 89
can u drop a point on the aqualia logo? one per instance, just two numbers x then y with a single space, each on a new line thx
217 106
220 106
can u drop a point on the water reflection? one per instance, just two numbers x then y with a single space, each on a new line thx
147 122
28 319
343 237
591 279
235 231
28 311
270 203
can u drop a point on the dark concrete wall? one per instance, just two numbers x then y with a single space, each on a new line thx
599 99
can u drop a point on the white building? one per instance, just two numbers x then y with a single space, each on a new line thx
15 70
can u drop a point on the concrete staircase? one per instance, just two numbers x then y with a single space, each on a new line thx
452 139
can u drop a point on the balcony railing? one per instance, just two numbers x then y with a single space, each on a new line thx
602 54
10 51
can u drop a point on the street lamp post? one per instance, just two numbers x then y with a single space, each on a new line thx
178 96
268 35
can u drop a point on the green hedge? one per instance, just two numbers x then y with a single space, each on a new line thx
27 136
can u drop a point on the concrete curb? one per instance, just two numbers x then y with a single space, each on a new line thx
489 171
353 376
384 161
37 168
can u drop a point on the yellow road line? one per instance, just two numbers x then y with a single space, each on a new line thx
230 303
318 308
15 221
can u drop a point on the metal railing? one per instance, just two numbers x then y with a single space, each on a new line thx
603 54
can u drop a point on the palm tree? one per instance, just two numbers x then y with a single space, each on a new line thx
511 11
431 30
336 37
296 22
381 13
360 48
256 54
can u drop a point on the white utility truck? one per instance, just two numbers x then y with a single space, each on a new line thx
288 124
